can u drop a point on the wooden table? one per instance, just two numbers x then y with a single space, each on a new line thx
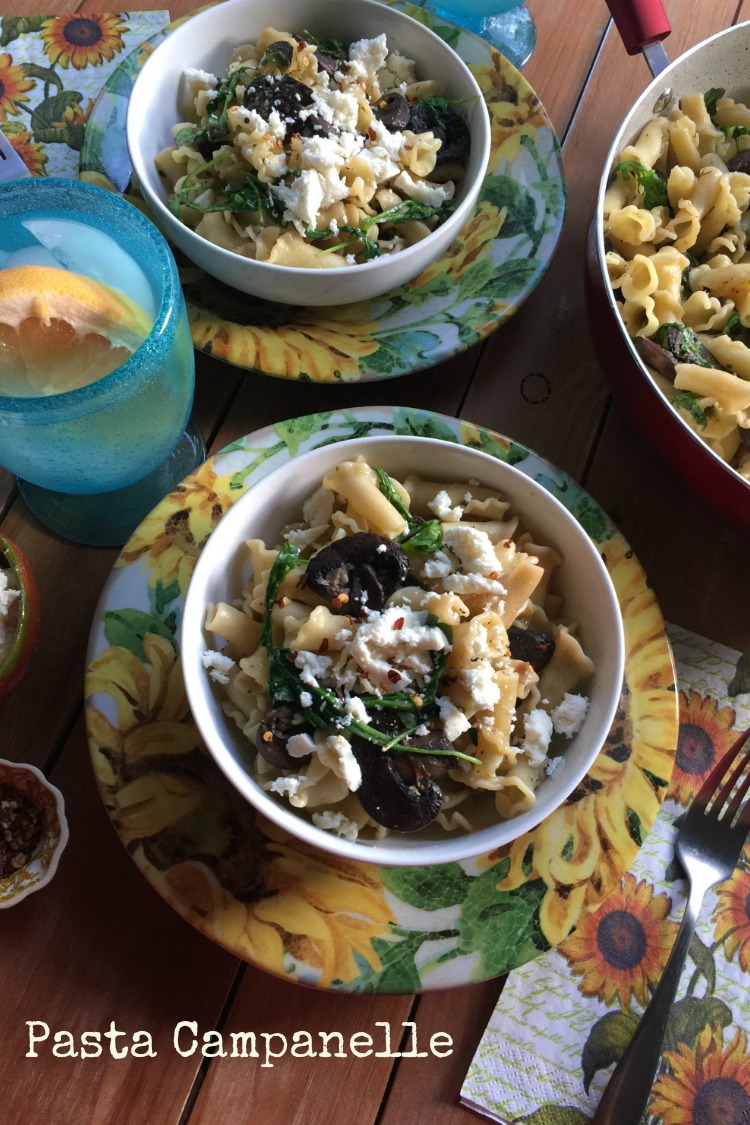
98 944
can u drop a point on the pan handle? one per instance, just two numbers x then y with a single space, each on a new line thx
639 22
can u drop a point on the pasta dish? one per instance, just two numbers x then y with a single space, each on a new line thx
401 658
313 154
676 223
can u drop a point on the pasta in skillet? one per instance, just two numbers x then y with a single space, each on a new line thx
676 219
401 659
314 154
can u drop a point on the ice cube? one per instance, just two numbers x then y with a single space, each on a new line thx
87 250
29 256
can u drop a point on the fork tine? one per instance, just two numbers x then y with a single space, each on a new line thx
739 796
710 786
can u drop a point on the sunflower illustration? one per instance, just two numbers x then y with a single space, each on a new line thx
171 538
244 884
325 350
710 1083
324 912
32 154
14 86
705 736
81 41
732 917
623 947
515 110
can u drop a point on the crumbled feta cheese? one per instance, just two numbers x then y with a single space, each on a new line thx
338 107
338 755
367 56
481 682
286 786
422 191
9 601
300 745
454 721
438 565
398 72
302 199
568 716
332 821
311 666
356 709
552 765
305 699
473 548
389 643
443 508
473 584
219 666
537 735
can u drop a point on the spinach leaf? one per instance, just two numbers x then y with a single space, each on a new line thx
688 400
652 185
711 97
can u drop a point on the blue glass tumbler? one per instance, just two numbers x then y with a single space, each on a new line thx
92 462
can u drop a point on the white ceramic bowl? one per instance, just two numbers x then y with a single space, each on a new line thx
206 41
276 500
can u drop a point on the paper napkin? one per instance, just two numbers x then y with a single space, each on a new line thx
51 71
554 1036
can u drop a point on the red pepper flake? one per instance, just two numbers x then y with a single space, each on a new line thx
398 623
301 44
21 829
323 645
507 543
394 676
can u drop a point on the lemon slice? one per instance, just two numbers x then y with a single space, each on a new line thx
60 330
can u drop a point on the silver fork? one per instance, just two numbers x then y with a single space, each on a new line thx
708 845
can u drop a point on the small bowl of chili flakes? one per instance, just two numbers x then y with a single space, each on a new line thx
33 831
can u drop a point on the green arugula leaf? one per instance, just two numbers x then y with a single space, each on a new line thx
688 400
711 97
653 186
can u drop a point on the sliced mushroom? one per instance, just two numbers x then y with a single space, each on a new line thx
447 125
402 804
291 99
685 346
279 54
535 649
740 162
358 571
393 110
274 732
327 62
654 356
433 764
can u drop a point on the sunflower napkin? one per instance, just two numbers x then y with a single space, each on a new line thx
52 69
563 1020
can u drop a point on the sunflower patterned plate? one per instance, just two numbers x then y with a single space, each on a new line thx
299 912
457 301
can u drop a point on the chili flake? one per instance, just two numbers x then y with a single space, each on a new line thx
21 829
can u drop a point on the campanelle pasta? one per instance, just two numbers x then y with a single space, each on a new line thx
401 658
675 221
312 154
